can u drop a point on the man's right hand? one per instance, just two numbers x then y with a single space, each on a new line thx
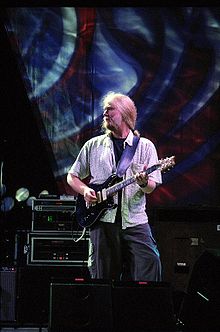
89 195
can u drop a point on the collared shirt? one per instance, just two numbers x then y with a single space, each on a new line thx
96 159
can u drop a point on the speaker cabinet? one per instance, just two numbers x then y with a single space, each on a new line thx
95 307
143 306
182 242
200 308
7 294
80 307
34 291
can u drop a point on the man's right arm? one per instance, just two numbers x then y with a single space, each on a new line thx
80 187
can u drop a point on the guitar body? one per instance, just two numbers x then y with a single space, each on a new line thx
87 216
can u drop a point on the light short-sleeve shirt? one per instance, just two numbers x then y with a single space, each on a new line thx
96 160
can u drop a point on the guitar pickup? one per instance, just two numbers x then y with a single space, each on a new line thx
101 195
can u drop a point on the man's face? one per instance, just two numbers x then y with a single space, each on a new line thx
112 117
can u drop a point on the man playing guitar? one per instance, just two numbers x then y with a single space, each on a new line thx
121 243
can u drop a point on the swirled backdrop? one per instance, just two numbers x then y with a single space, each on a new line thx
166 59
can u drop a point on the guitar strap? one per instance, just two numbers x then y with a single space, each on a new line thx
126 157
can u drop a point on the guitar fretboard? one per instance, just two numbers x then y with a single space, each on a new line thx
118 186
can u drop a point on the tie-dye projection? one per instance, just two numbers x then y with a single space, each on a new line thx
166 58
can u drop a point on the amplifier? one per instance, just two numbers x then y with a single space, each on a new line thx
52 215
57 250
44 204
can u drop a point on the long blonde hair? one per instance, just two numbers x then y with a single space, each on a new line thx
125 105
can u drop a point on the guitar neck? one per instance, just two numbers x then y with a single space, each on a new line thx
118 186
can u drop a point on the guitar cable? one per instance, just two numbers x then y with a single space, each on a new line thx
81 236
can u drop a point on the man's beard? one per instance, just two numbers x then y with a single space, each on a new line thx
108 126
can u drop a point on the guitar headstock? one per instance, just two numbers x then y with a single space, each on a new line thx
166 164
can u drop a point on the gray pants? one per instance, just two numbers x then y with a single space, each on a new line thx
118 254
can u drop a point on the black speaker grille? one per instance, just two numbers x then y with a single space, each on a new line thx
7 294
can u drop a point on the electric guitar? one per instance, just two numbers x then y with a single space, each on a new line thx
87 215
